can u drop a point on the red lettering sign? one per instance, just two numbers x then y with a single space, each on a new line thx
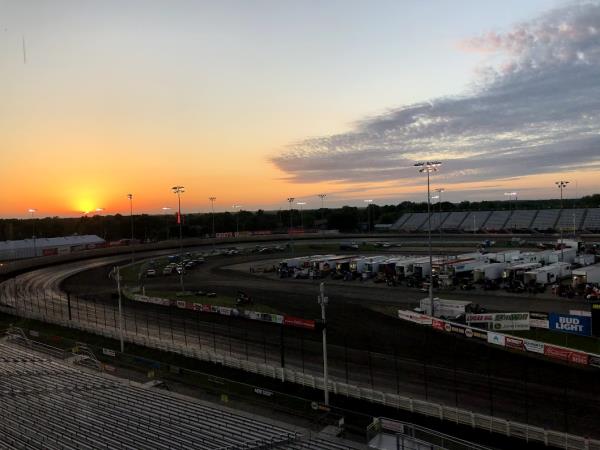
298 322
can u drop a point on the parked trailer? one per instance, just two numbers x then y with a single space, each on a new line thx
489 271
516 271
548 274
372 265
586 275
450 309
567 255
507 256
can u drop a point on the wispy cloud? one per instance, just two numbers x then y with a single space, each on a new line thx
535 112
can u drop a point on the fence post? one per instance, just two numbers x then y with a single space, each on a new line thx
69 305
282 345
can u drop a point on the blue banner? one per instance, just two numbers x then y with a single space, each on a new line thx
566 323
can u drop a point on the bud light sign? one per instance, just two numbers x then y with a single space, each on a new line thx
570 324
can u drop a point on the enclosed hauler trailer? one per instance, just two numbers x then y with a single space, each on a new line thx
372 265
489 271
586 275
548 274
449 309
516 271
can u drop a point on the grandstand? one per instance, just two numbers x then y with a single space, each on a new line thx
592 220
454 220
545 220
48 404
475 221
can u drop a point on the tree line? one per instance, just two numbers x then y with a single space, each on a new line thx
347 218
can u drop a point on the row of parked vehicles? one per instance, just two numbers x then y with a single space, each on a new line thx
513 270
175 265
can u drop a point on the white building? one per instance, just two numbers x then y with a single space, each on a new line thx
28 248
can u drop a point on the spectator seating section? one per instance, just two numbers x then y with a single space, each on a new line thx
454 220
475 220
568 217
545 220
403 218
414 222
437 219
592 220
521 219
47 404
498 220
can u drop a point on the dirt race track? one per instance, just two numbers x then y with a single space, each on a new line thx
368 348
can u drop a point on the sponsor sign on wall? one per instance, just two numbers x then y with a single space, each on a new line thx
415 317
564 354
534 346
539 319
496 338
511 321
512 342
571 324
437 324
479 318
298 322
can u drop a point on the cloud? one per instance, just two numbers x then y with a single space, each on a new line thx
537 111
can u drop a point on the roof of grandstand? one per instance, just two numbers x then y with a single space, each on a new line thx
49 404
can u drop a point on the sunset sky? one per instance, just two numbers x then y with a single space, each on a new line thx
257 101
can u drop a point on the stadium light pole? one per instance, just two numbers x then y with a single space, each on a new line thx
368 202
323 300
32 211
237 219
322 197
440 191
165 210
291 201
301 204
429 167
130 197
212 210
561 185
178 190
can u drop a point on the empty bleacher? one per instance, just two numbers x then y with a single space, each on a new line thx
437 219
521 219
475 221
454 220
570 218
400 222
497 221
545 220
48 404
592 220
414 222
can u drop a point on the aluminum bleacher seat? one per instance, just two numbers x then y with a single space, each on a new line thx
414 222
400 222
521 219
498 220
437 219
475 221
454 220
592 220
545 220
570 218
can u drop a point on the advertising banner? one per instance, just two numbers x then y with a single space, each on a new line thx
512 342
594 361
50 251
479 318
412 316
437 324
298 322
565 323
108 352
495 338
534 346
511 321
564 354
539 319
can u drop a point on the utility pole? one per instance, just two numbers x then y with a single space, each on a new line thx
440 191
368 202
429 167
322 197
32 212
290 201
323 300
130 197
117 272
180 190
212 208
561 185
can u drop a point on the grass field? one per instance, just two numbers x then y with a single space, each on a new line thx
585 343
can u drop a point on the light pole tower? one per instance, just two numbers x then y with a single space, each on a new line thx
429 167
510 195
368 202
301 204
561 185
323 302
291 201
212 209
439 192
178 190
130 197
32 211
237 219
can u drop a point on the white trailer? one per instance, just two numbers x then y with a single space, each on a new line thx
567 255
586 275
295 263
548 274
542 257
372 265
450 309
516 270
504 257
490 271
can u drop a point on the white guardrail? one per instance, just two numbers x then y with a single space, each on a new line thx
443 412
